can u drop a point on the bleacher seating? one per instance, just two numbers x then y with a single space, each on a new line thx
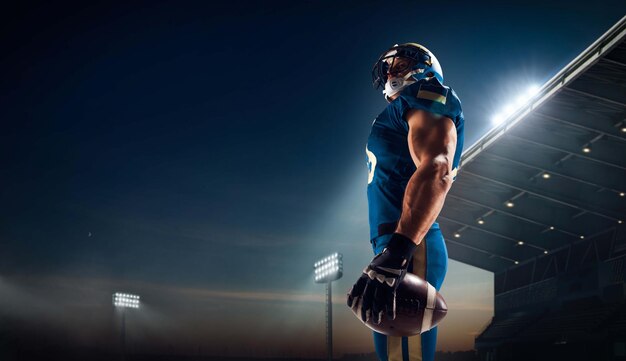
503 328
617 322
570 322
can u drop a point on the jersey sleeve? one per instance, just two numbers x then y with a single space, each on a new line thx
432 96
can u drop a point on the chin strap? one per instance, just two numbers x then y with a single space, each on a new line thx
394 85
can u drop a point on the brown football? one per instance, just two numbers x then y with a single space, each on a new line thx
419 307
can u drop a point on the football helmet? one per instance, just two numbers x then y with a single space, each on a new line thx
424 64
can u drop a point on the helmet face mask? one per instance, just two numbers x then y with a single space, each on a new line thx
398 66
423 64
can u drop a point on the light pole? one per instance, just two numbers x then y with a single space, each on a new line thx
124 301
328 270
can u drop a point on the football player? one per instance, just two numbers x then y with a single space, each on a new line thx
413 153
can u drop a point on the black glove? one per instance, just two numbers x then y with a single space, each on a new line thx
375 290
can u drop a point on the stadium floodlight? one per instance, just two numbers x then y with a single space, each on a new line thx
125 300
532 91
497 119
521 101
509 109
327 270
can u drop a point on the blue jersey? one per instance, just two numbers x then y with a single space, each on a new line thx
389 160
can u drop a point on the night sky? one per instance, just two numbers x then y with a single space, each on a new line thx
204 156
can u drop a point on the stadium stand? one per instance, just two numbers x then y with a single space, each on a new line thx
502 328
540 202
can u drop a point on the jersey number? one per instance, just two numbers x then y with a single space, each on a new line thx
371 165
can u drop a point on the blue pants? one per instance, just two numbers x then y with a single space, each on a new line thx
430 261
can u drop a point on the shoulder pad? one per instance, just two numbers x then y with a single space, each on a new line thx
430 95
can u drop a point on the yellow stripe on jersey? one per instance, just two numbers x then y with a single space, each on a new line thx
415 348
418 267
425 94
394 348
394 343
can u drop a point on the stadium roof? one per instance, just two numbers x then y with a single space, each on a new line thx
553 173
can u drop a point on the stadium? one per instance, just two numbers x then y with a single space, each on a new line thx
180 181
540 203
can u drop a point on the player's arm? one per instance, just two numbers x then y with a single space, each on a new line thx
432 143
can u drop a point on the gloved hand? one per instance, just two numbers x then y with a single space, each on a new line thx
375 291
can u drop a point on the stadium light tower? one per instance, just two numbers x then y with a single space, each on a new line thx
328 270
124 301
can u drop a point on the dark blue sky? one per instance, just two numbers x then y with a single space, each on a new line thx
221 146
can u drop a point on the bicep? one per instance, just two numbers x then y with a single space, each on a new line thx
430 136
